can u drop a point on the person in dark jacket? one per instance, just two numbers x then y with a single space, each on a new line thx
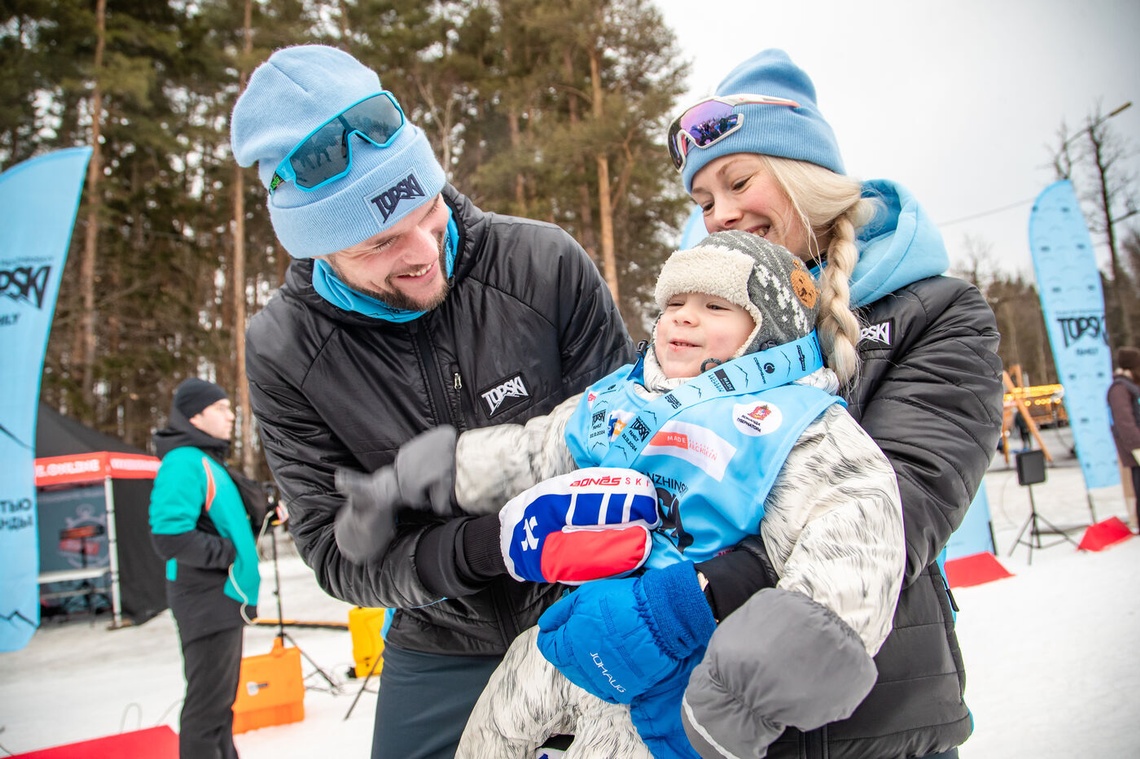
918 356
406 308
200 525
1124 410
1022 430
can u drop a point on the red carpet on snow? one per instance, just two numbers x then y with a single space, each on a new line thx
153 743
1104 534
974 569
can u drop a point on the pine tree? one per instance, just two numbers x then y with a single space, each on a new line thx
555 111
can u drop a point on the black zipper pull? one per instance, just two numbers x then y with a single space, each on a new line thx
949 595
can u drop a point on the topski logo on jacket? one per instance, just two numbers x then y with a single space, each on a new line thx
877 333
505 395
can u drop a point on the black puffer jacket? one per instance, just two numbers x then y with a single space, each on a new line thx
930 395
528 322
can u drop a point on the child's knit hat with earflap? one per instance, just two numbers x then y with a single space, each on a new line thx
763 278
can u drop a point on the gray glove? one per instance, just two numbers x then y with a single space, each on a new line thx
422 478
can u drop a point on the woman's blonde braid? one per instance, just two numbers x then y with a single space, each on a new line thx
838 327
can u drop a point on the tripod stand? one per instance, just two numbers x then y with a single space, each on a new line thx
371 671
282 636
1030 471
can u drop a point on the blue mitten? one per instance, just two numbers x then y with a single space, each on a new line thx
585 525
618 638
657 714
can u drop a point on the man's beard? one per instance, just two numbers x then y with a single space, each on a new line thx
395 298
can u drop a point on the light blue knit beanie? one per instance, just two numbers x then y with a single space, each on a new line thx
291 94
797 133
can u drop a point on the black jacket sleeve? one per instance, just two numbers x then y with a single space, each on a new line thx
933 401
196 549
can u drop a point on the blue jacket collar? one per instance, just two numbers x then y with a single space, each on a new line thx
899 246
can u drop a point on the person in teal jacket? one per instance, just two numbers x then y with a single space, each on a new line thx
201 526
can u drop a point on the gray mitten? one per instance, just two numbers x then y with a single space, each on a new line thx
422 478
366 524
425 471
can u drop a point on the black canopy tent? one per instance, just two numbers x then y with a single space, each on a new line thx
70 456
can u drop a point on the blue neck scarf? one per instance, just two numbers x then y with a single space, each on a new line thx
329 286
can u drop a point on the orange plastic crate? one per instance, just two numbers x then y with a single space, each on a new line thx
270 689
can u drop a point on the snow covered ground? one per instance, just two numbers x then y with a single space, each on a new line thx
1051 653
1051 664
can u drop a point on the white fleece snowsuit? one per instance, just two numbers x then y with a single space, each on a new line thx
832 525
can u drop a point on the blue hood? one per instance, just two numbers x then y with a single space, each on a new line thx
899 246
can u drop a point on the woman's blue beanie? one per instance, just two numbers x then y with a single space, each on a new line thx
773 130
291 94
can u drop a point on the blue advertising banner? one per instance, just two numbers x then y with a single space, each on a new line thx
38 202
1072 302
974 534
694 230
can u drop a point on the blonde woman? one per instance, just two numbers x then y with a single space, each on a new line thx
917 351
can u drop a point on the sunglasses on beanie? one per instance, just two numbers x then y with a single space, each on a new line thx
711 120
325 155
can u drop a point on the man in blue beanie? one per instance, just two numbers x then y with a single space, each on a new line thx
406 308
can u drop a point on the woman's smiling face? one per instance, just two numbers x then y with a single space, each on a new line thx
737 192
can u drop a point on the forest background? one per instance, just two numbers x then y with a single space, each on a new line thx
552 110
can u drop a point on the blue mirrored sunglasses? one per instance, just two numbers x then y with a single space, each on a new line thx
325 155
